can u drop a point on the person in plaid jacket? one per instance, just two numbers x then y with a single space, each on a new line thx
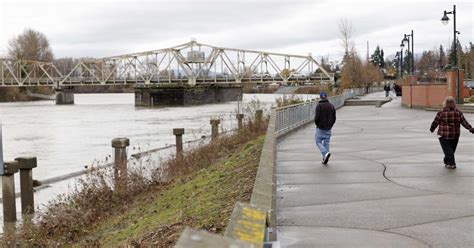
449 120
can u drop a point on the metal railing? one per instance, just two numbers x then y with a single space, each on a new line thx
293 116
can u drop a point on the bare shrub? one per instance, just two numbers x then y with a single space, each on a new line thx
208 154
288 100
308 90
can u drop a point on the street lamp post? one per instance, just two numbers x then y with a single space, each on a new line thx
412 53
407 40
445 20
401 59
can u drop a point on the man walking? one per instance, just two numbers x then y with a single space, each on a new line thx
387 89
324 118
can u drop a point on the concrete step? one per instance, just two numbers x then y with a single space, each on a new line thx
356 102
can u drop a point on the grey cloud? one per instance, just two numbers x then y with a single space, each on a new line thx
104 29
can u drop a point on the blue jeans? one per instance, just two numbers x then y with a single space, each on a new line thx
323 138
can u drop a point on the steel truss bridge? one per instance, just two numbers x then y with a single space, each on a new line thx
190 63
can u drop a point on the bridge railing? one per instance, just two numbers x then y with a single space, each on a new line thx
254 224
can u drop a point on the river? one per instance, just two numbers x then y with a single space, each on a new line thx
65 138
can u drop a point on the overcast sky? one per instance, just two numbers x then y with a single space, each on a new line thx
99 28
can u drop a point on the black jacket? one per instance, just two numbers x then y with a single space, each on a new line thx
325 115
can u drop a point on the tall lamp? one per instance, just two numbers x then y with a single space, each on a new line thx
407 40
445 20
401 58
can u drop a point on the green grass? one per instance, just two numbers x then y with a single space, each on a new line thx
203 199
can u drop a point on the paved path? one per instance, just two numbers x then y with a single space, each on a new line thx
385 185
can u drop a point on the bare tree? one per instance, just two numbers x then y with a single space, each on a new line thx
428 61
346 31
352 70
65 65
30 45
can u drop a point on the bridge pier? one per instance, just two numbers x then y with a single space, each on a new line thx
182 95
64 96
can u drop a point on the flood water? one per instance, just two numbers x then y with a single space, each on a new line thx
65 138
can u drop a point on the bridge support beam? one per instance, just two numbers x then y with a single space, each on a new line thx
64 96
182 95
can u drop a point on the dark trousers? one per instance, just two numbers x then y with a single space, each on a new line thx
449 148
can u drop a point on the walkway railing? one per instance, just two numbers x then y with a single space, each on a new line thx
293 116
254 224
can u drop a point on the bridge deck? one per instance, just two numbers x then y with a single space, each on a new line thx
385 185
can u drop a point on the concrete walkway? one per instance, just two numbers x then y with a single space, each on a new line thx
385 185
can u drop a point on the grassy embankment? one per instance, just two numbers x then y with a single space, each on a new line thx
204 199
203 188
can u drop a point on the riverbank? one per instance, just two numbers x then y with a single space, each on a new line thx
207 183
20 94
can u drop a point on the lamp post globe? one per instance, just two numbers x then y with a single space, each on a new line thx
405 40
445 18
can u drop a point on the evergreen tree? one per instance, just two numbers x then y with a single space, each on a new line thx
407 59
467 60
377 57
442 57
382 59
451 56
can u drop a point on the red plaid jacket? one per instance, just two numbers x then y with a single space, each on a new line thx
449 121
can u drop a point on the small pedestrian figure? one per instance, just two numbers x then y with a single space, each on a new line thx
398 90
449 120
324 118
387 89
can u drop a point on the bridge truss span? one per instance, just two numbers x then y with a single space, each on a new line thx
191 63
28 73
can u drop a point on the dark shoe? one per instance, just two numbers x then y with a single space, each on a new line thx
451 166
326 158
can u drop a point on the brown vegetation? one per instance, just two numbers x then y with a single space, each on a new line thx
252 88
17 94
308 90
30 45
288 100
